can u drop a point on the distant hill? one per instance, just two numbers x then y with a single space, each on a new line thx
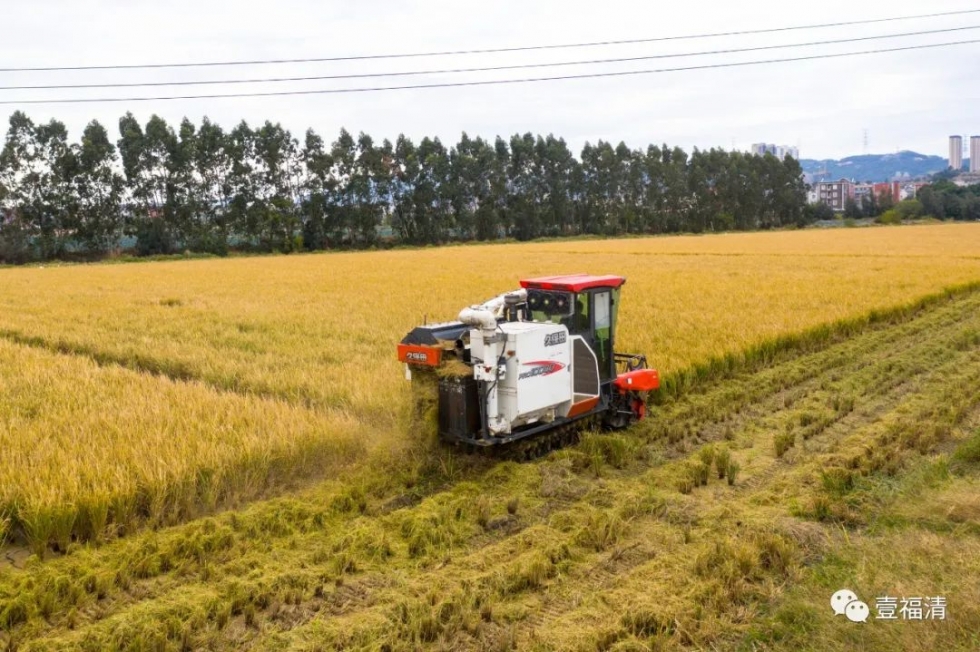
875 167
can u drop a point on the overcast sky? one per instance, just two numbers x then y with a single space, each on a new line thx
906 100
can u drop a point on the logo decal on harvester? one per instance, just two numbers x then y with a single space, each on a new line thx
540 368
554 339
417 357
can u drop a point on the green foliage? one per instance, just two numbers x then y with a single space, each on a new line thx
601 530
967 454
732 472
695 474
891 216
932 202
886 202
909 209
701 473
615 450
837 481
946 200
707 455
723 460
199 188
870 206
822 212
782 442
153 238
15 242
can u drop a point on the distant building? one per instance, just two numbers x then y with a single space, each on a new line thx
779 151
834 193
863 192
898 190
886 189
813 194
968 179
956 153
974 154
910 190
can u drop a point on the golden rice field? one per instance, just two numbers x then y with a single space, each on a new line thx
724 522
148 389
82 443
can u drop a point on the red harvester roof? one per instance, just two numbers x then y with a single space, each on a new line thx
573 282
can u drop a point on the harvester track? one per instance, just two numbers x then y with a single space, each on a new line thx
540 445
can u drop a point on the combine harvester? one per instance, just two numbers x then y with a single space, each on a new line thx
530 369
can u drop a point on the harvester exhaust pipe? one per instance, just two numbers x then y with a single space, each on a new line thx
491 370
484 316
479 317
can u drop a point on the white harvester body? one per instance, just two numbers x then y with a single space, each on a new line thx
533 382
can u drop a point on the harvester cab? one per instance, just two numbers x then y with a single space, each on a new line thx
536 364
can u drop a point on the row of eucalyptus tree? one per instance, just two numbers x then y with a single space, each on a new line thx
205 188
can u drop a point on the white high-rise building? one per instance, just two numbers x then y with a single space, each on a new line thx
975 154
956 153
779 151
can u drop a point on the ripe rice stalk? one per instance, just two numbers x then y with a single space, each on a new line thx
264 370
723 458
4 526
77 470
423 425
731 472
454 368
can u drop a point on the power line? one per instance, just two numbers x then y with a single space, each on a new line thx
495 82
524 66
528 48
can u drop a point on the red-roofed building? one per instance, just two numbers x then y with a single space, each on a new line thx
899 190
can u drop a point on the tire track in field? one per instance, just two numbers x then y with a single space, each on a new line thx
900 345
764 410
806 375
757 489
878 399
786 382
600 574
